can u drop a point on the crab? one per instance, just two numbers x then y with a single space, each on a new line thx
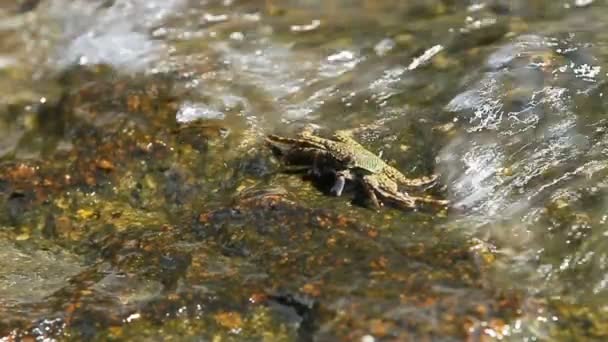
350 161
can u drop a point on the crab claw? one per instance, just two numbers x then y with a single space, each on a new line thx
338 185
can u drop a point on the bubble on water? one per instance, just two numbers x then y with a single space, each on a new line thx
476 7
582 3
338 63
237 36
368 338
211 18
132 317
303 109
384 46
602 284
308 27
292 81
487 108
386 85
130 50
474 183
425 57
7 62
507 53
270 67
190 111
587 72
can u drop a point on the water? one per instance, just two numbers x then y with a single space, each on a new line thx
139 201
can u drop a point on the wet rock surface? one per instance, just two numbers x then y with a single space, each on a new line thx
267 262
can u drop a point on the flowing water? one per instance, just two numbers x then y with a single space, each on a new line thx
139 202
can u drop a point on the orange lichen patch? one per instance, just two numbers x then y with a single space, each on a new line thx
90 179
340 232
268 200
133 103
449 317
21 172
331 241
104 164
511 302
427 302
468 326
71 309
284 259
257 297
204 217
417 250
379 263
307 236
48 182
498 326
481 310
149 248
372 233
63 224
343 221
230 320
481 330
312 289
322 221
380 328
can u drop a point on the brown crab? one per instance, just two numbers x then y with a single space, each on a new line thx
351 161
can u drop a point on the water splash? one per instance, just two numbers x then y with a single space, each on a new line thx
116 34
536 133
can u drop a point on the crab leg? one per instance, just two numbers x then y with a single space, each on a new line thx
285 144
411 202
428 200
317 155
412 183
371 194
311 152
